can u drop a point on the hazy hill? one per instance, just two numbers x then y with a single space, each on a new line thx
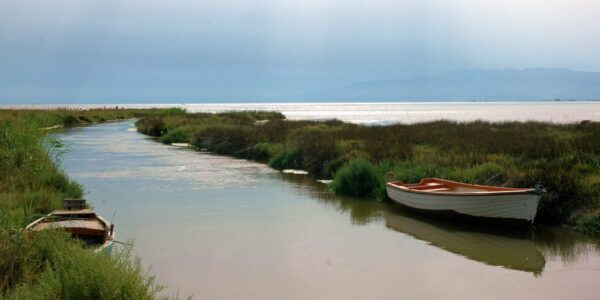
509 84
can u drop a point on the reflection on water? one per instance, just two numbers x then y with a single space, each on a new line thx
513 248
205 222
361 212
564 244
486 247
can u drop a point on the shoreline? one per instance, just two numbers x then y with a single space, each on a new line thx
386 113
488 153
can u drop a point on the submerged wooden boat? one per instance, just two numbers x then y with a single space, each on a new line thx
83 223
439 195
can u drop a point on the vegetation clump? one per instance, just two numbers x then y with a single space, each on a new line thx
359 178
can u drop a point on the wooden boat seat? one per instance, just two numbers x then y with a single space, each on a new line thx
77 227
445 189
428 187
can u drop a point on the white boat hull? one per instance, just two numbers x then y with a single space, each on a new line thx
522 206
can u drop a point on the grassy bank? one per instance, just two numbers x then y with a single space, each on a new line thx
563 158
54 118
50 265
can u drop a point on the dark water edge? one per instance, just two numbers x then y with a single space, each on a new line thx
204 222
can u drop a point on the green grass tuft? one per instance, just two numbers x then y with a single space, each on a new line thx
359 178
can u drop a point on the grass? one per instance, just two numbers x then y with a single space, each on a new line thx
359 178
63 269
64 117
564 158
50 265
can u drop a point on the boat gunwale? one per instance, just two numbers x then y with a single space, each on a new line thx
107 242
397 185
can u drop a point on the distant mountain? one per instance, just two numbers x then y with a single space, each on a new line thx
468 85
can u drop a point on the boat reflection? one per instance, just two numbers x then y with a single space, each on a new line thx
512 251
512 248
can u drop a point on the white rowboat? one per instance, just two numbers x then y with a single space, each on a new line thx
439 195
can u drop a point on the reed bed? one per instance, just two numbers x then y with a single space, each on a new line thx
564 158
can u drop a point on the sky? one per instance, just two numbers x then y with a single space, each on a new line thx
142 51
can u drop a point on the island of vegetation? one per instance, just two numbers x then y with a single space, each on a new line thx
564 158
51 265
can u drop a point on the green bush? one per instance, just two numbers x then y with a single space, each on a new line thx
589 223
360 179
229 140
265 151
286 159
332 166
70 121
177 135
152 126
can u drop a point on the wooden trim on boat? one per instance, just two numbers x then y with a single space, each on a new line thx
436 186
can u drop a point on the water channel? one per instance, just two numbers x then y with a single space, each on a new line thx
223 228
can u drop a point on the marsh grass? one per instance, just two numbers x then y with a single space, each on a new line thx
68 117
564 158
64 269
359 178
50 265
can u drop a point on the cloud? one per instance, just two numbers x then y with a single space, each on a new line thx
217 50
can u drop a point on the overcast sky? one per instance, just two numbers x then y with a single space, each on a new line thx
114 51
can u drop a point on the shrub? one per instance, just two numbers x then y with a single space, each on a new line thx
265 151
177 135
317 148
286 159
229 140
589 223
360 179
70 121
331 167
153 126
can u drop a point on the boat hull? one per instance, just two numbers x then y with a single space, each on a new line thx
515 206
108 243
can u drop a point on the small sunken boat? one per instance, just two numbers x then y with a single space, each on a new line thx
439 195
83 223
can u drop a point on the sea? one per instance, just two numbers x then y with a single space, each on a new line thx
383 113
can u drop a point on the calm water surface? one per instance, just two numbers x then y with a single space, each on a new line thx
222 228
